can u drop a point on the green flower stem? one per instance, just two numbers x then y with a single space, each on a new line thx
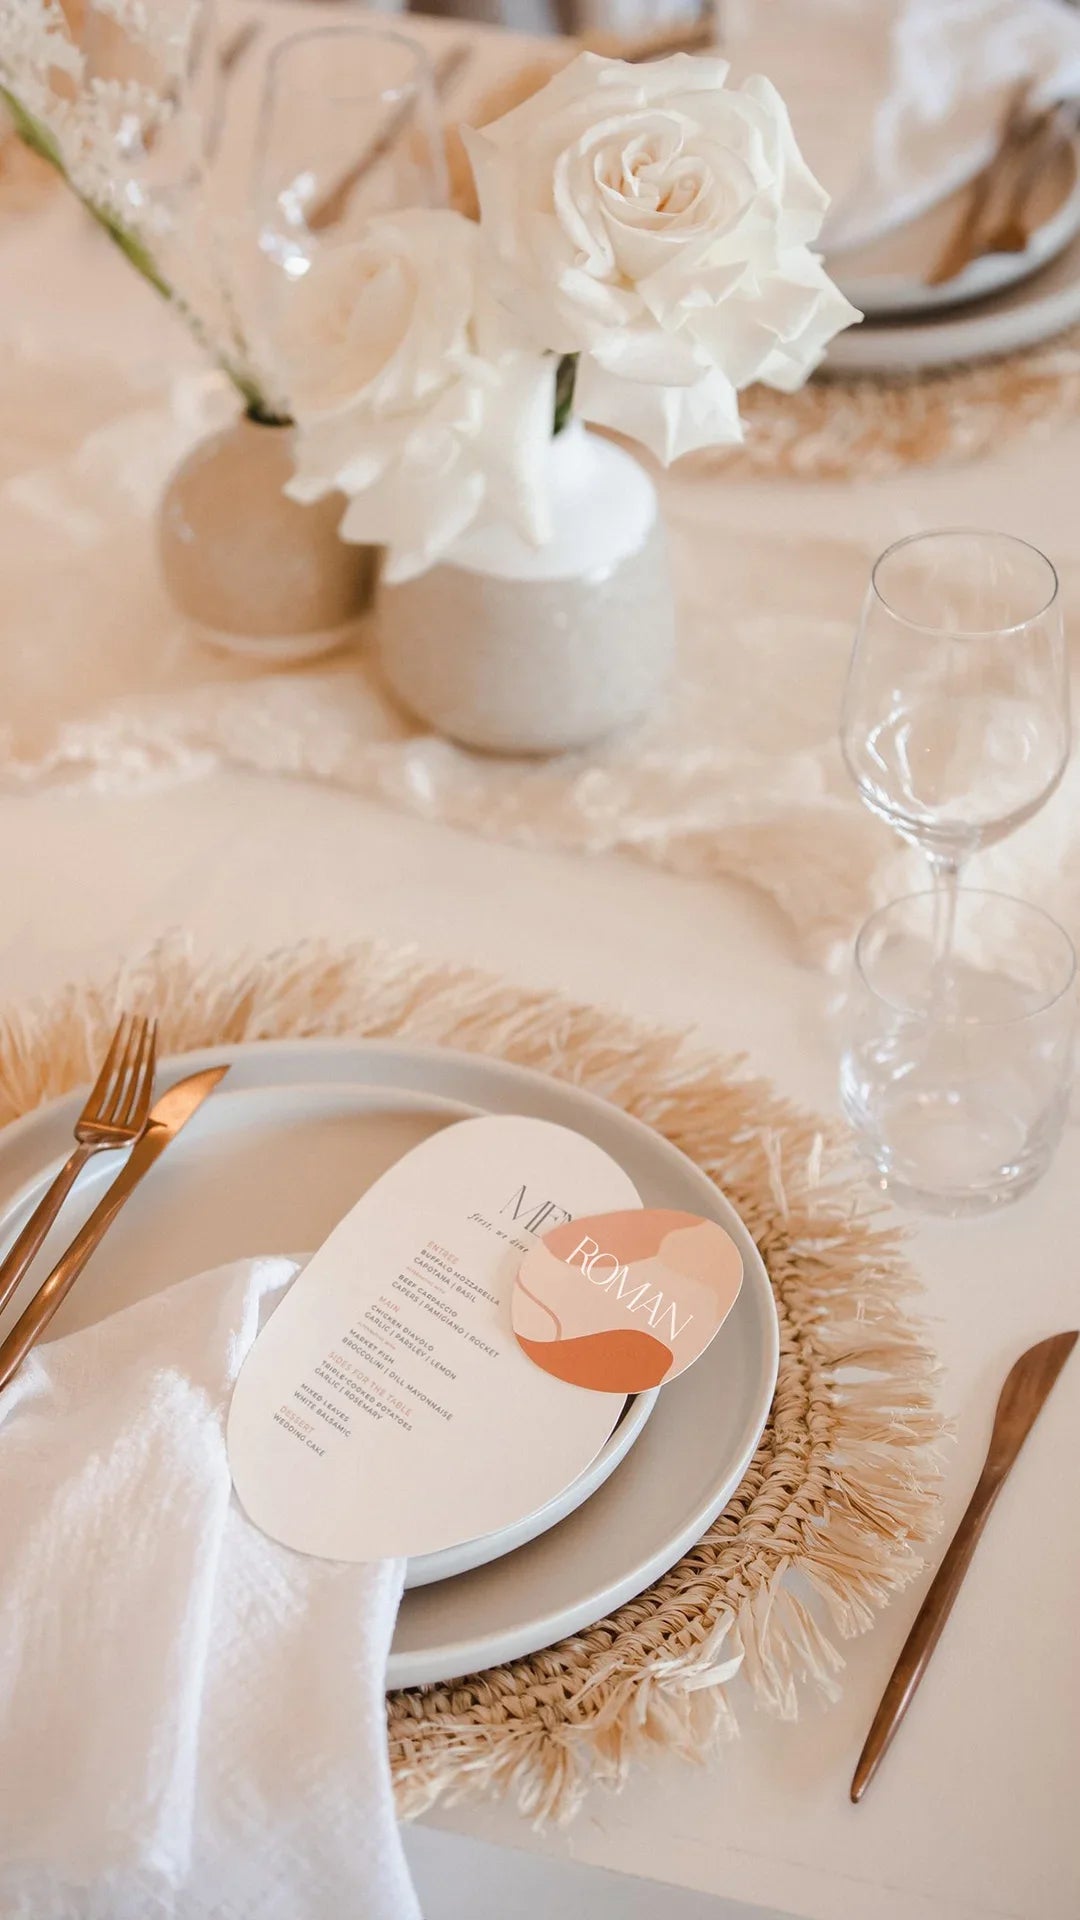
40 141
565 376
31 131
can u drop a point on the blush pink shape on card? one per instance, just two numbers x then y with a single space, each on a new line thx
620 1302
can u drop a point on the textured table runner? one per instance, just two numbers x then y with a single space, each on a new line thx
738 773
843 1487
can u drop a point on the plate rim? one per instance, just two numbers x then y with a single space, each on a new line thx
451 1659
953 337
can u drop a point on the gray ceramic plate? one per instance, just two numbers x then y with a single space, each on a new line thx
275 1169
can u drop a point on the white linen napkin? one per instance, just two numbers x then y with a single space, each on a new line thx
192 1717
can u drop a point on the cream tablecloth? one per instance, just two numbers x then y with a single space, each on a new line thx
739 774
973 1818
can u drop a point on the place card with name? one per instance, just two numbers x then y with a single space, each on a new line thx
624 1301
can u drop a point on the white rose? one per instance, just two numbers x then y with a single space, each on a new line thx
409 396
657 223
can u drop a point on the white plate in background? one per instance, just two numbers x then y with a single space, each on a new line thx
1024 315
887 278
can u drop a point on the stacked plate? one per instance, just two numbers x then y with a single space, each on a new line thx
999 303
300 1130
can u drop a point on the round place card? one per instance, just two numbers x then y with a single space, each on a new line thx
623 1301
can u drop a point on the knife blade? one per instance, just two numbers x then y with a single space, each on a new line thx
167 1117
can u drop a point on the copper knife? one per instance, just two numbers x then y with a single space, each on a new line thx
167 1117
1026 1388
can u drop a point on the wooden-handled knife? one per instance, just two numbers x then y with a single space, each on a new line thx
167 1117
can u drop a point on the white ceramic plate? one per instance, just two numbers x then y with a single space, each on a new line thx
888 278
1032 311
282 1179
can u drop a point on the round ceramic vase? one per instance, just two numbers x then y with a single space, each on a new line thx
519 649
252 571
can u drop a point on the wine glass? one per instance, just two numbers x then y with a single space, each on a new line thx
348 127
955 722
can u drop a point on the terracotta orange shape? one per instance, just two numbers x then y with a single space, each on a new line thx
622 1361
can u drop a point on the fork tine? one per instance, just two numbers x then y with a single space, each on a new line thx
136 1088
96 1097
118 1096
142 1080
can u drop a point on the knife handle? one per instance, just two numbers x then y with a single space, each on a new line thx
926 1631
52 1292
30 1239
963 244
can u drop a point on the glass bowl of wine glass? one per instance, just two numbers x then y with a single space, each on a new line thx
955 722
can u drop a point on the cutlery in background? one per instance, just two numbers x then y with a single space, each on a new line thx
233 50
1026 1387
334 204
693 36
115 1114
964 243
168 1116
230 55
1011 232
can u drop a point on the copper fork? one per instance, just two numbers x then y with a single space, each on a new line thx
114 1116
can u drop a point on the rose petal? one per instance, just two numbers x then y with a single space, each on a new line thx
670 421
687 283
648 354
432 410
659 79
787 366
803 198
654 201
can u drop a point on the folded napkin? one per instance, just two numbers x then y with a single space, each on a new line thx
952 68
192 1717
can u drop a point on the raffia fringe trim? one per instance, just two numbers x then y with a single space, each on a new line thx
843 1488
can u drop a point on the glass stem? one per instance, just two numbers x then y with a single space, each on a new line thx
945 869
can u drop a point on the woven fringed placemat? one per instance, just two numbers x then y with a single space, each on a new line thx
870 426
843 1487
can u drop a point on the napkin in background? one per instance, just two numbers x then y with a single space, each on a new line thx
192 1717
897 103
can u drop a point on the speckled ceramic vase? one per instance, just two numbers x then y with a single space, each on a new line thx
252 571
516 649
